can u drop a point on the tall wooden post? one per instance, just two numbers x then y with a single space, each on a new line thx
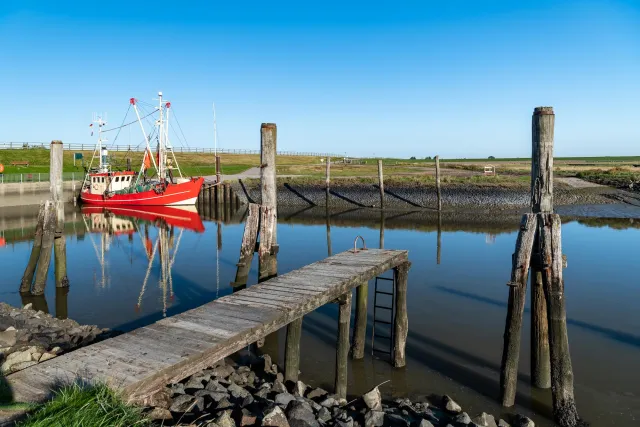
48 235
381 183
438 194
401 320
227 201
269 212
542 135
61 302
248 246
381 230
342 348
439 239
292 350
55 174
219 201
328 220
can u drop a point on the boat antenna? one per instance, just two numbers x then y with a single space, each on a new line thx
215 133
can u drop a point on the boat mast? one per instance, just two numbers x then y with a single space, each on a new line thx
146 140
161 162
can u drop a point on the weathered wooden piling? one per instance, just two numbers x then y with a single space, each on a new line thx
342 347
227 202
401 319
267 248
267 266
381 229
439 239
360 325
438 193
292 350
55 170
218 170
61 302
565 413
542 139
515 309
248 246
27 277
381 183
328 221
48 235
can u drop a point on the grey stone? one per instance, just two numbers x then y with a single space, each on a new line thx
329 402
177 388
159 414
316 393
278 387
216 396
27 306
224 404
15 359
299 388
323 414
20 366
247 418
485 420
503 423
280 377
262 393
300 414
275 417
522 421
222 371
8 338
237 392
225 420
373 399
159 399
214 385
183 403
193 384
374 419
463 418
425 423
345 422
248 400
450 404
267 363
283 399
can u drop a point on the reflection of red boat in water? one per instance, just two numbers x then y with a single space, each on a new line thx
185 217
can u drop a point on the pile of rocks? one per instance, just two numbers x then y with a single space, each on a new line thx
229 395
28 337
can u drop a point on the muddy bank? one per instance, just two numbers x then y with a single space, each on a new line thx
254 393
411 197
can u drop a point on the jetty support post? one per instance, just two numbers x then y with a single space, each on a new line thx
542 140
218 170
439 239
292 350
269 211
342 348
381 183
360 326
515 309
438 193
59 242
401 319
227 201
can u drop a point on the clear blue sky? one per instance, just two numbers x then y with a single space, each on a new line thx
395 78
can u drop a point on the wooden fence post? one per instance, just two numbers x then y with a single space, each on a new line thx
381 183
438 194
401 320
515 309
292 350
342 348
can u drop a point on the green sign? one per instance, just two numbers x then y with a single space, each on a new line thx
77 156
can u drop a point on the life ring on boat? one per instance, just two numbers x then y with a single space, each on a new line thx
95 186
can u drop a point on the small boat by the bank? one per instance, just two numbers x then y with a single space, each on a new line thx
106 187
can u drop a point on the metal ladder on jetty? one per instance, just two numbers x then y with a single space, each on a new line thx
383 316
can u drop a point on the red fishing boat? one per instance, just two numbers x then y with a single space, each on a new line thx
106 187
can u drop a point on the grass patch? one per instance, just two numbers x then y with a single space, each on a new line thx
616 177
85 406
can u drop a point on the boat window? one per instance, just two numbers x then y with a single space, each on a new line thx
117 179
103 179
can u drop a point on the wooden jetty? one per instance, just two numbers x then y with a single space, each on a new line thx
143 361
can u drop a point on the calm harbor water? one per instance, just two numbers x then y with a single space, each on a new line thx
128 269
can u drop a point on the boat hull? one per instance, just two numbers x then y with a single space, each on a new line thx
185 193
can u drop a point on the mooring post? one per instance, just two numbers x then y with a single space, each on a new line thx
218 170
360 326
267 266
328 220
227 202
401 320
342 348
48 235
515 309
328 179
565 413
248 246
27 277
382 230
439 239
438 193
292 350
219 198
381 183
60 249
61 302
542 139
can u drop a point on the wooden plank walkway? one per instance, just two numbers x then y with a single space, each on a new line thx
142 361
